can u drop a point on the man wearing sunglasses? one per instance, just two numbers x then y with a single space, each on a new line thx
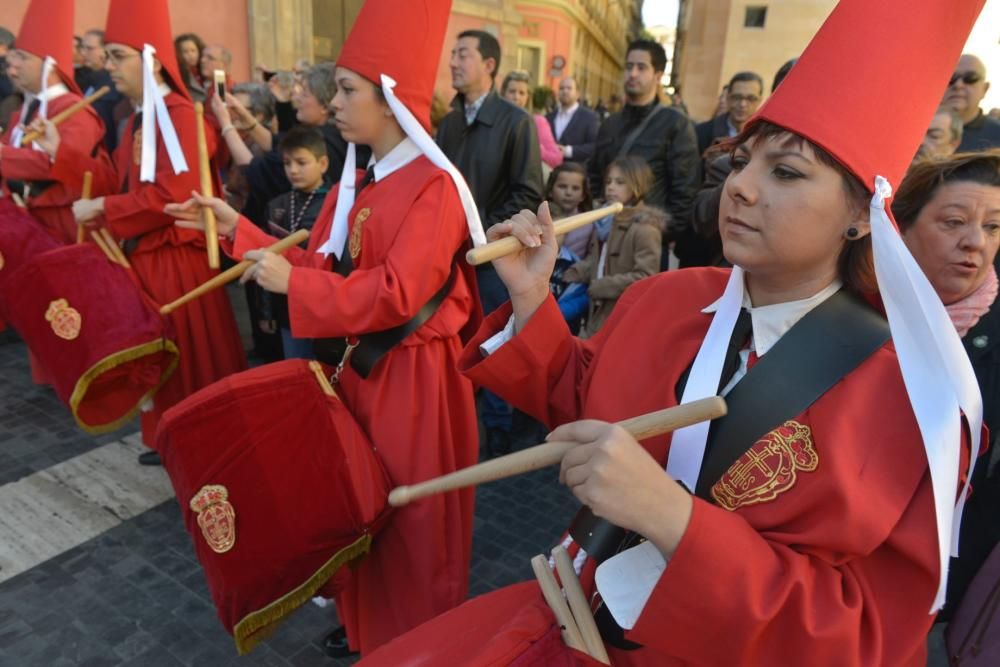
965 91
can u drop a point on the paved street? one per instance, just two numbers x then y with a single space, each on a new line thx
102 572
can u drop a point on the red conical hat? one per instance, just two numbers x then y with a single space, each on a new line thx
402 40
47 30
868 84
148 22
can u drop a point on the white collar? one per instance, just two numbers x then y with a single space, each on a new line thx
405 152
50 93
772 322
570 111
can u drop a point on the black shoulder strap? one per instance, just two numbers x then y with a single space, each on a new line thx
637 132
831 340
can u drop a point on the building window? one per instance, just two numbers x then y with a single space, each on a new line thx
529 59
755 17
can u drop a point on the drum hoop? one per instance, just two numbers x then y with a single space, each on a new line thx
113 361
258 625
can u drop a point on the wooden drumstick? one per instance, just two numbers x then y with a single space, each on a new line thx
324 382
553 596
578 605
231 274
509 245
34 135
88 182
550 453
98 240
115 249
205 172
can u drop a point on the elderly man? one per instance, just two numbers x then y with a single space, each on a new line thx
573 125
213 57
965 91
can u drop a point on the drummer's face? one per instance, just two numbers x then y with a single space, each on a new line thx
784 214
124 64
359 111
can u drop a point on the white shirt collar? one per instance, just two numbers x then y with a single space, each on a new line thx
772 322
50 93
570 111
405 152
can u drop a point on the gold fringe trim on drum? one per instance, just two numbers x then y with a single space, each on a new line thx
113 361
257 626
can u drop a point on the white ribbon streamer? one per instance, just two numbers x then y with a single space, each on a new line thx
416 132
43 86
687 449
936 370
154 114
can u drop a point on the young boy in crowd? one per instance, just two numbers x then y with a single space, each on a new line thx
303 153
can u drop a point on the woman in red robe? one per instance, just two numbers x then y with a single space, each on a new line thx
403 233
823 537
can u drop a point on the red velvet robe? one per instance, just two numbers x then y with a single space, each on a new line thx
83 132
415 406
831 562
169 261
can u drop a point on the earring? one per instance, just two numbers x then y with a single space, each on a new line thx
852 233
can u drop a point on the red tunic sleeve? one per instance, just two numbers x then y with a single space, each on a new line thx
544 370
375 298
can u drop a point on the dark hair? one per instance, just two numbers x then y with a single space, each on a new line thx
262 102
187 76
488 47
747 76
926 176
96 32
571 168
782 72
638 175
655 50
303 136
6 37
855 264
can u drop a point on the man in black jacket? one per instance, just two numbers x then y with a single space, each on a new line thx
661 134
573 125
495 146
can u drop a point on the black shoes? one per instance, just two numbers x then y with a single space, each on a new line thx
150 458
335 644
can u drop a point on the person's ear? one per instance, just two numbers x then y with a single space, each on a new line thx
324 162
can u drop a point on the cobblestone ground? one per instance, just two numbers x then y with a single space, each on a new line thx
135 595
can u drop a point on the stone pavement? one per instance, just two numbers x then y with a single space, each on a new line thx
135 594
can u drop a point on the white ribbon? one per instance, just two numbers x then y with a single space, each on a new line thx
416 132
154 114
43 108
687 448
936 370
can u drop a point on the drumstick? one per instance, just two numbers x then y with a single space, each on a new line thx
88 182
553 596
324 382
205 170
550 453
231 274
99 242
509 245
578 605
66 113
17 200
116 249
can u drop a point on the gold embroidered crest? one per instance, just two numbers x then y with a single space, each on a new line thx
769 468
216 517
359 224
66 321
1 261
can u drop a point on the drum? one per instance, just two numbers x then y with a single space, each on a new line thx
100 340
279 488
21 238
509 626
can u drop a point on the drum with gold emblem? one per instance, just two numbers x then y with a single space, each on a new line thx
279 488
100 340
